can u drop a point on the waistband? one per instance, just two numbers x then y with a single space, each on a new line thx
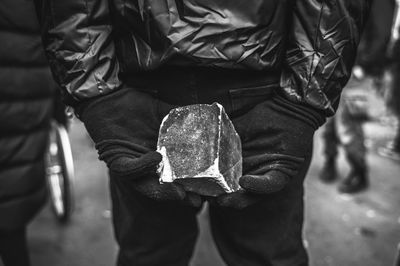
200 78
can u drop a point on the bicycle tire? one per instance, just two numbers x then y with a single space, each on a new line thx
61 174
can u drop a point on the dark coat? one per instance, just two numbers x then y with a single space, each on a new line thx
26 103
372 53
310 44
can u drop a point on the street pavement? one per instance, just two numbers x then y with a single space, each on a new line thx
343 230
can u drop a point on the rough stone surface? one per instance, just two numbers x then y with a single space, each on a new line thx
201 150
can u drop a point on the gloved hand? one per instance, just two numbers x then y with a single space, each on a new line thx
142 173
112 122
287 131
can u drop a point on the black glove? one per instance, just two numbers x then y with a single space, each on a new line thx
111 121
288 139
142 173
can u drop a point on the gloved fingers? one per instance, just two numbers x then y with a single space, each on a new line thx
168 192
271 172
193 199
262 163
112 149
136 167
151 188
112 144
237 200
270 182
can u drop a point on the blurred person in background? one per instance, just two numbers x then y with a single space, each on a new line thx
392 97
26 106
392 93
125 64
345 129
371 57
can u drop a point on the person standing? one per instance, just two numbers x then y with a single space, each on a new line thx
26 107
345 129
392 100
276 66
392 93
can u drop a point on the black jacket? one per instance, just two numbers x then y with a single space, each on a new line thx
373 51
26 104
310 43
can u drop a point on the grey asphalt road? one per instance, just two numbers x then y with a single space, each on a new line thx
355 230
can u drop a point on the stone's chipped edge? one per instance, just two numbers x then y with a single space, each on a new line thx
165 171
163 152
161 126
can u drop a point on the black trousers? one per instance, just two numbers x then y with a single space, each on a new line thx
164 233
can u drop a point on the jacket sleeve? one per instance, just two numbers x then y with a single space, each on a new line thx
321 50
79 46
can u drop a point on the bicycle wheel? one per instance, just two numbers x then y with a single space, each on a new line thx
60 173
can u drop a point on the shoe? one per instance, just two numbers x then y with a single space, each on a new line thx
328 172
355 182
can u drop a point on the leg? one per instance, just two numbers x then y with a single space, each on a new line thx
393 91
269 232
14 248
330 139
151 233
330 143
393 104
352 138
396 140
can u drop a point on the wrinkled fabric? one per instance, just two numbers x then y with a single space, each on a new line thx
321 50
89 43
26 106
